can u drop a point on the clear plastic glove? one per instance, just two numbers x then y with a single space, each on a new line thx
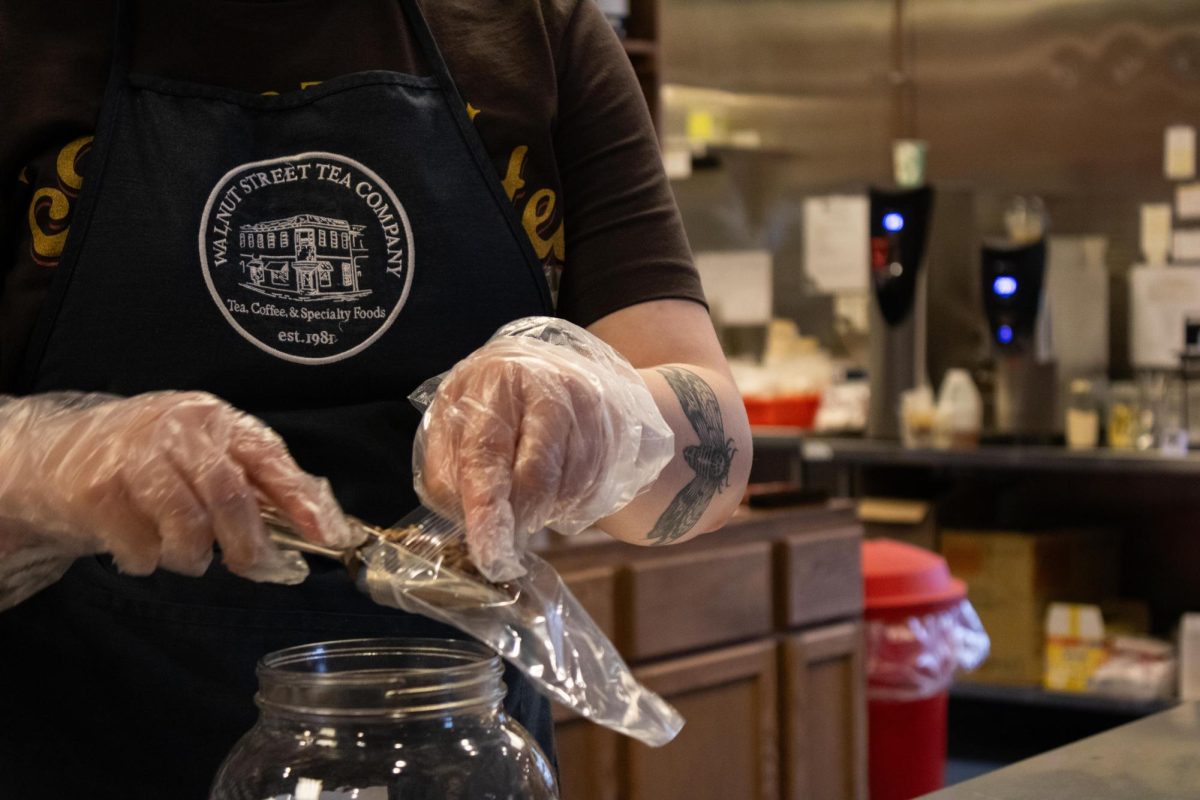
154 480
545 425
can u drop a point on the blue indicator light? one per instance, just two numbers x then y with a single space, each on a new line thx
1004 334
1005 286
893 222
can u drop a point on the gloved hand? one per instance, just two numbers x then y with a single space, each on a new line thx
154 480
545 425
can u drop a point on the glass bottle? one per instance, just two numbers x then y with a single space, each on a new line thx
373 719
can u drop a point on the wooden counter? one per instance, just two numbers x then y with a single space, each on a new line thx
755 634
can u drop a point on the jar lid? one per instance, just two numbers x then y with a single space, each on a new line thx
898 575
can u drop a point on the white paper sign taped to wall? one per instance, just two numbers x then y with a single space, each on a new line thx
836 247
737 285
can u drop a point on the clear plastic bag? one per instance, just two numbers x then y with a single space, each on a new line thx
427 563
915 657
546 407
534 622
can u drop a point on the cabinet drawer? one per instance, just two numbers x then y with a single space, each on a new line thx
694 600
596 591
821 576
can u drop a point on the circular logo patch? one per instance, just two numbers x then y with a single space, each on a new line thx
309 257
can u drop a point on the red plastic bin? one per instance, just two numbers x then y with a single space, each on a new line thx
906 737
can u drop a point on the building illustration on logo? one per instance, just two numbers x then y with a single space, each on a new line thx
305 257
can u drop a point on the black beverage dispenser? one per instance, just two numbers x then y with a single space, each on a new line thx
1014 283
899 226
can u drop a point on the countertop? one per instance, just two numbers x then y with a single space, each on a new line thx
1156 758
1026 458
746 525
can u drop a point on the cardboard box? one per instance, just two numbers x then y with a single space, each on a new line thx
1075 646
908 521
1011 579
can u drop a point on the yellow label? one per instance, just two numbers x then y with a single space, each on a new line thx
1070 663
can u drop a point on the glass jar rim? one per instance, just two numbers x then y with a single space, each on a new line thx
383 676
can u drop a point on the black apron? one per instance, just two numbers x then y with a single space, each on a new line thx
310 257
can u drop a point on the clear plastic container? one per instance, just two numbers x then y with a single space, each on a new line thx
378 718
959 415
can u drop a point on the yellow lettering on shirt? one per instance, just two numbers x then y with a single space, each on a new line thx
68 163
50 208
472 111
512 176
306 84
47 246
538 211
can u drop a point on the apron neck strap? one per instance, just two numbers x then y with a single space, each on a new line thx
122 38
429 48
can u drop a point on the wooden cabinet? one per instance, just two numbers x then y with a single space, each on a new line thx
820 576
824 719
755 635
696 599
730 744
587 759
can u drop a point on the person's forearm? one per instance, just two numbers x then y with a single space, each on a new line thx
702 486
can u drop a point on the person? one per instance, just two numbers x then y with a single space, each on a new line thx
236 236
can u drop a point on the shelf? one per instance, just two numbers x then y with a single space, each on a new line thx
1035 696
641 47
1025 458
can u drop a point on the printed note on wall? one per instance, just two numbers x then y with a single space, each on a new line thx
737 284
836 250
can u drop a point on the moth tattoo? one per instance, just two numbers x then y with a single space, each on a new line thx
710 460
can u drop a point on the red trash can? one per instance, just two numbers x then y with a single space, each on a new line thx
920 629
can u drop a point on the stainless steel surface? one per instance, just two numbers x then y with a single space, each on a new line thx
1065 98
957 332
812 77
894 364
1152 758
1026 399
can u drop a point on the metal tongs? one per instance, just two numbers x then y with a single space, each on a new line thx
281 532
409 558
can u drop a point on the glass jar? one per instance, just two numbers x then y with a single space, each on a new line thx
373 719
1083 416
1122 416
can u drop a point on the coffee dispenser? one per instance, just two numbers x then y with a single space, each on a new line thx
1026 380
899 225
1046 305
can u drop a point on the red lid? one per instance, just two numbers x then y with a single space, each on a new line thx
898 575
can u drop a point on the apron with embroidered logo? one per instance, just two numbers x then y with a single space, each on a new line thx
310 257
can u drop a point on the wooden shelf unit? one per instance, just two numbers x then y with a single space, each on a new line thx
755 634
642 45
